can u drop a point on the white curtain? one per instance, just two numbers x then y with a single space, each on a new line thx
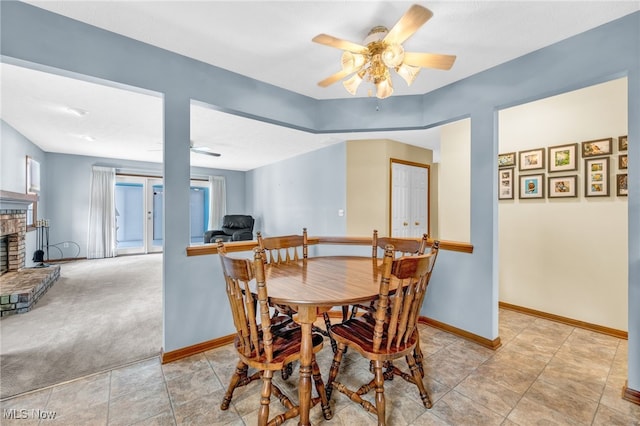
217 201
102 214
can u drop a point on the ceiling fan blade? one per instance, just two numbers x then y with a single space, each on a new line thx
413 19
339 43
429 60
205 151
336 77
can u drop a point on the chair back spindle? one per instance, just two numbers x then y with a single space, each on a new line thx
284 249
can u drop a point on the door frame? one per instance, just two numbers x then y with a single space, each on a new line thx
428 197
147 183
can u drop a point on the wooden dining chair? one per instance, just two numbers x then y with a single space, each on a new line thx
260 344
285 249
390 333
401 247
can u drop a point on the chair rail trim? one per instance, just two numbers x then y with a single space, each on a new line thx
237 246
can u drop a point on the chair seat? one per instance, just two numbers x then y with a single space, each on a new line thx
282 322
358 333
286 348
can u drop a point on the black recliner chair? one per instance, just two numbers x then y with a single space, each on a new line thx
235 227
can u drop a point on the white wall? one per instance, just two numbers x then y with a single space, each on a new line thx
454 182
567 256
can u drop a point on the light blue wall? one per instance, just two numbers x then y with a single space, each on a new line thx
304 191
14 148
465 290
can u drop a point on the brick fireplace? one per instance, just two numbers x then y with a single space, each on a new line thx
20 287
13 226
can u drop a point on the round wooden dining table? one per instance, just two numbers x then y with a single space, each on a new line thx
312 286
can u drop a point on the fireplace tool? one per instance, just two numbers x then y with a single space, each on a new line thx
42 242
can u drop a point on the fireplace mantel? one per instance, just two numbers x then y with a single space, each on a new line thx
16 201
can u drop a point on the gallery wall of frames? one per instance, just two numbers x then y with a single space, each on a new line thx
553 172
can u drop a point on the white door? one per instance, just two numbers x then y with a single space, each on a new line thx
139 202
419 220
409 199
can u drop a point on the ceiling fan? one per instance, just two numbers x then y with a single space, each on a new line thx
203 150
383 51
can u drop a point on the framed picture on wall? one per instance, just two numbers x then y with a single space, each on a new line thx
596 177
562 158
531 186
597 147
621 185
622 161
532 159
507 160
505 183
622 143
33 176
562 186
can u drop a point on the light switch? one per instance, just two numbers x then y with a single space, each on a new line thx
340 212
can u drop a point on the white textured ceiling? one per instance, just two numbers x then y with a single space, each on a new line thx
270 41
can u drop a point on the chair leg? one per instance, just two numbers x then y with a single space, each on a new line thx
327 323
319 384
354 311
380 402
265 397
238 377
287 371
417 379
335 366
418 355
345 313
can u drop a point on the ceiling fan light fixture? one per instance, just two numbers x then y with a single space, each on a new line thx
408 73
384 89
381 52
393 55
352 61
352 84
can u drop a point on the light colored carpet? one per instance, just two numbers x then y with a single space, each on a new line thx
100 314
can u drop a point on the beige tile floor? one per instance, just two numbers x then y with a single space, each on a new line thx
545 373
